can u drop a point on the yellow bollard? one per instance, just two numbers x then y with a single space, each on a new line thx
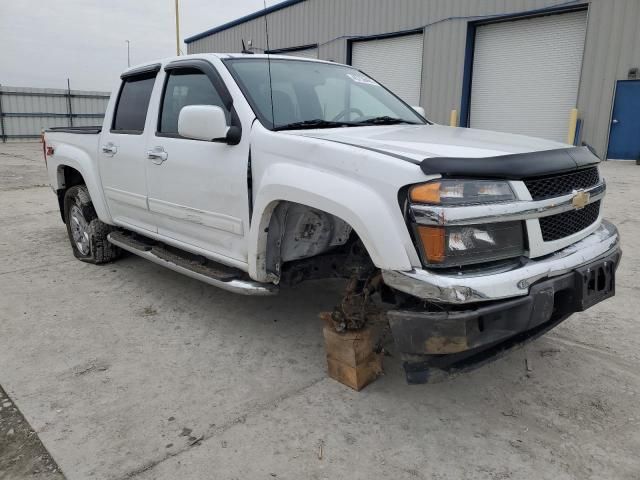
573 122
453 120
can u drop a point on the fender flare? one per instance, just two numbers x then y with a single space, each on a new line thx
381 229
70 156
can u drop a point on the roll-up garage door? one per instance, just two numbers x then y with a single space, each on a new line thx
306 53
395 62
526 74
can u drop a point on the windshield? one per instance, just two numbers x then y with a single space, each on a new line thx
316 95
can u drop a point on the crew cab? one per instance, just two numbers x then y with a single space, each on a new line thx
256 172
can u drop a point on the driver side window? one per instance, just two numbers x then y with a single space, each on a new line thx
185 87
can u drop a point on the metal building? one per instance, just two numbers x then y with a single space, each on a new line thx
518 66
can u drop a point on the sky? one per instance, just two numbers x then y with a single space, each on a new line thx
43 42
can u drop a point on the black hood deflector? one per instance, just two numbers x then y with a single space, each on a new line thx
512 167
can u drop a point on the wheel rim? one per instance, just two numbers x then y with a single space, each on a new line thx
79 230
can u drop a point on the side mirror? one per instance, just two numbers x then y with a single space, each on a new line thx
203 122
420 111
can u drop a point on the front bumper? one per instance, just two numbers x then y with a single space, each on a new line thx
456 337
461 289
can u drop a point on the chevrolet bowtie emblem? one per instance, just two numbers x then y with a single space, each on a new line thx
580 200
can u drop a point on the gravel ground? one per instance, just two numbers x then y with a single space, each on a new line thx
132 371
22 454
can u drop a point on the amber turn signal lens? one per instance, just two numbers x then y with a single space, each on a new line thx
433 243
426 193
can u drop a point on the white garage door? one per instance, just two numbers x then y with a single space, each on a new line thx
526 75
306 53
394 62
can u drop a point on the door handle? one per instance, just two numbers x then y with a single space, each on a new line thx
157 155
109 149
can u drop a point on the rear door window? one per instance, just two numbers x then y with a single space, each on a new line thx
133 103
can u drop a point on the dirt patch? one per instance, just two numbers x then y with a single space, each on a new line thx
22 455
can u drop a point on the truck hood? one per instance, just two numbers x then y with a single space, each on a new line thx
417 142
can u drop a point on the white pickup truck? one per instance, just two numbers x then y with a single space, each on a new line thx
252 173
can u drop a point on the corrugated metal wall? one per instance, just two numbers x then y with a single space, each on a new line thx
612 45
612 48
26 111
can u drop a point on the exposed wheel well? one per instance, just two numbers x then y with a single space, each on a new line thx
67 177
307 243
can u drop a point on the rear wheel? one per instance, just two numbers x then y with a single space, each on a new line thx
87 234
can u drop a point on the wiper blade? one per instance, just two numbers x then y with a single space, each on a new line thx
315 123
384 120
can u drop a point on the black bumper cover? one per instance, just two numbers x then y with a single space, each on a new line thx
435 345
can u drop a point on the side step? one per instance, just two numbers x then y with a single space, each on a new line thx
193 266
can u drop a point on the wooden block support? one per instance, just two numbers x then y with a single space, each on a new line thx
350 356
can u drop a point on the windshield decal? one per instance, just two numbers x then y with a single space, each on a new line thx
360 78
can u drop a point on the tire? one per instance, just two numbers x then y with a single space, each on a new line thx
87 234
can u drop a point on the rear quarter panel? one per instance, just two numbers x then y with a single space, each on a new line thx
80 152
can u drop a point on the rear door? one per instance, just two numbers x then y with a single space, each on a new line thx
198 190
121 152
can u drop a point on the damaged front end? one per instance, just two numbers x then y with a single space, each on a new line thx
444 322
450 333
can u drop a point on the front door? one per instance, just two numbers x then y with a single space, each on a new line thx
122 156
198 190
624 137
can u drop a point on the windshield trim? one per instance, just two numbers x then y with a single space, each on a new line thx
268 124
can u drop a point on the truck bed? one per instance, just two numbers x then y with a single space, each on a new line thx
75 147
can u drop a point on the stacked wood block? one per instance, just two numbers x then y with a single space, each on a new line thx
351 359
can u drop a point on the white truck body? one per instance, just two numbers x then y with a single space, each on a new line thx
217 199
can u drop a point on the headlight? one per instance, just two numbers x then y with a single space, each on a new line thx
461 192
464 245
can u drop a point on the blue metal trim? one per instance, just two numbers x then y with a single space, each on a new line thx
570 6
349 59
576 138
465 103
378 36
291 49
238 21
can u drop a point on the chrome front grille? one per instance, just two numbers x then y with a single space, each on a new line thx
558 185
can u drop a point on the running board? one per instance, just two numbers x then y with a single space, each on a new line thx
198 268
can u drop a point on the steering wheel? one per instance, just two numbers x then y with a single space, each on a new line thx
346 112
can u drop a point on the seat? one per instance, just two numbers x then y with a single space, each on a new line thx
284 111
